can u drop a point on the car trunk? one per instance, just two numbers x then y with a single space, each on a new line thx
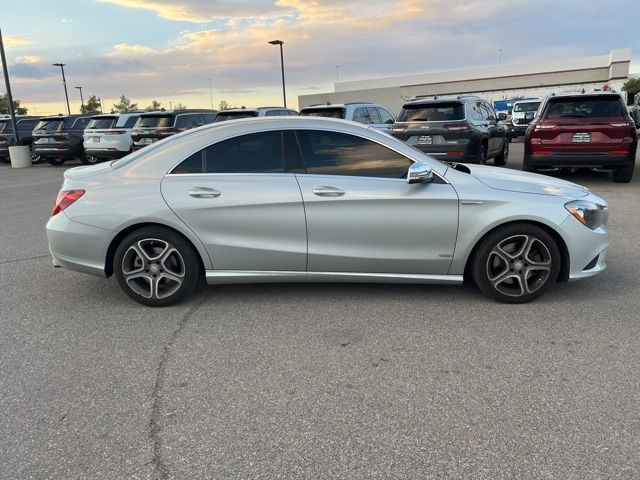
437 124
49 132
598 134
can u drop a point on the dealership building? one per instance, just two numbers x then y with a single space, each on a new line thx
495 83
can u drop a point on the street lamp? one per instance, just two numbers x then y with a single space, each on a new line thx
81 99
210 94
284 92
64 83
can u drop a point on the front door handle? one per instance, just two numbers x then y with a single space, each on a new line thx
327 191
204 192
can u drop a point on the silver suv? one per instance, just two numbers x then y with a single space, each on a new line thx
366 113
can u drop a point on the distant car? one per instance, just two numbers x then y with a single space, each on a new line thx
26 124
153 126
319 200
519 119
108 136
583 130
366 113
58 139
238 113
462 129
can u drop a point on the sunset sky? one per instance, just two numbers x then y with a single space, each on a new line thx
168 49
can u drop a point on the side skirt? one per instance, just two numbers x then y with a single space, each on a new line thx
221 277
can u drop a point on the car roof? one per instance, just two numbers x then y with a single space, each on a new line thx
582 94
176 112
461 99
342 105
63 117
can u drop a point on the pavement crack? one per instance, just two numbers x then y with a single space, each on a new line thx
16 260
155 427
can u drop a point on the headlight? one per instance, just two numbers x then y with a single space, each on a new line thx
589 214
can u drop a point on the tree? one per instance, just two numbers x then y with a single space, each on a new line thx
223 105
4 106
180 106
91 107
155 105
632 87
124 105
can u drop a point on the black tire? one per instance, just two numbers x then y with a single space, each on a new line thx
483 154
84 160
35 158
6 159
130 267
90 160
504 272
56 162
501 160
623 174
527 167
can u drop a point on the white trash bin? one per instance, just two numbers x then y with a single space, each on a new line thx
20 156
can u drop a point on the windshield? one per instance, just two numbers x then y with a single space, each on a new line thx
584 107
526 107
50 125
323 112
154 121
224 116
437 112
102 123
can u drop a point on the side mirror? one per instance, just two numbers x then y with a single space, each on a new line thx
420 173
502 116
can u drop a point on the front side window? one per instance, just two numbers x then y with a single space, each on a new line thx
361 116
385 116
333 153
373 115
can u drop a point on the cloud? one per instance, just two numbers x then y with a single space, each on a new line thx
200 11
16 41
126 49
29 59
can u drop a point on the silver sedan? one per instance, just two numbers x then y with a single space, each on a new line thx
319 200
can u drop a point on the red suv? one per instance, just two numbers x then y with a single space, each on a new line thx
583 130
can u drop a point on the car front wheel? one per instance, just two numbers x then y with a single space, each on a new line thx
516 263
156 266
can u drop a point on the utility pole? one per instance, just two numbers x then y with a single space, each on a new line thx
210 93
337 73
284 92
64 84
81 99
12 111
500 56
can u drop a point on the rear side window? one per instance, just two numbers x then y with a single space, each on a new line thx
131 121
272 113
584 107
385 116
253 153
333 153
81 123
50 125
189 121
26 124
437 112
155 121
210 117
323 112
102 123
224 116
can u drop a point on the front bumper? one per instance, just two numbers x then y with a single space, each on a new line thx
77 246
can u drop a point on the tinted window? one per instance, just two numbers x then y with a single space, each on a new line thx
373 115
81 123
153 121
361 115
323 112
584 107
5 123
253 153
437 112
101 123
193 164
224 116
272 113
385 116
188 121
50 125
526 107
131 121
26 124
210 117
332 153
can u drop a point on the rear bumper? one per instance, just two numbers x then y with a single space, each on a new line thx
104 153
57 151
579 160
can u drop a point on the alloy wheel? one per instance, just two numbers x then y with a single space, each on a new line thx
153 268
519 265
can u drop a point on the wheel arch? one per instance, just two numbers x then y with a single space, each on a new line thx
113 245
565 260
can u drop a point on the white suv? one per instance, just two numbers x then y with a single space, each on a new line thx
370 114
521 115
109 136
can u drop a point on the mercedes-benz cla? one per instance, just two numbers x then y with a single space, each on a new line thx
319 200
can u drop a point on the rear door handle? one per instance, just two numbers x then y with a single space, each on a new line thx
204 192
327 191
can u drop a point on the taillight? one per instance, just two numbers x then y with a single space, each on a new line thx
455 153
622 124
115 132
458 127
66 198
539 127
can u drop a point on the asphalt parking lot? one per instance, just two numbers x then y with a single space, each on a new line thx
314 381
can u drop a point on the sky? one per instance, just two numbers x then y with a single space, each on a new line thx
172 50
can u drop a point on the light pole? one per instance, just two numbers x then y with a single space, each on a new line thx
284 92
64 83
210 94
81 99
500 56
8 87
337 73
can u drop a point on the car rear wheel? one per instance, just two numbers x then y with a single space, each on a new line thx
90 160
56 162
156 266
501 159
516 263
483 154
623 174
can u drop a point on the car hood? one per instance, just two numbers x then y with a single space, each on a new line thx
525 182
77 173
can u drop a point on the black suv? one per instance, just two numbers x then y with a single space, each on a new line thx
26 125
154 126
59 138
462 129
